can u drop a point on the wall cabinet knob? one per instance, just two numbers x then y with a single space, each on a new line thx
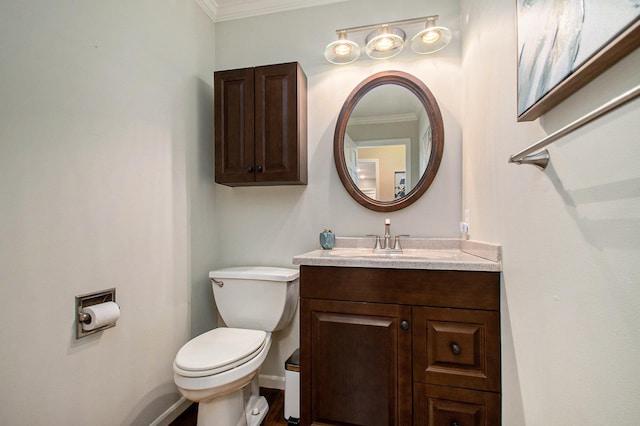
249 169
259 169
404 325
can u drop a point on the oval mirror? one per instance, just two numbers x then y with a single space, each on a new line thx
389 141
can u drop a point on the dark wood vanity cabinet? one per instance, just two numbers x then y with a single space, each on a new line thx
261 125
399 347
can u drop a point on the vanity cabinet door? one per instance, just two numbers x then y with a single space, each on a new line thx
355 363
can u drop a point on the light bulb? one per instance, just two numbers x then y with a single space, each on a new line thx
384 43
431 37
342 49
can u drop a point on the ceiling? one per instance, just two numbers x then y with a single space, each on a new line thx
227 10
384 104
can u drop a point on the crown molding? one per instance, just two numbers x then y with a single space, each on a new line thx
227 10
210 7
383 119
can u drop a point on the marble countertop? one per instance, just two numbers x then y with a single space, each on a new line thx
417 253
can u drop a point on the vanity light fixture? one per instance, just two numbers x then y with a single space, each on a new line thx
431 39
342 51
387 40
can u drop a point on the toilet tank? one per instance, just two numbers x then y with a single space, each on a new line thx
256 297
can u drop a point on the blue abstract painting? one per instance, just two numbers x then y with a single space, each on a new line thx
556 37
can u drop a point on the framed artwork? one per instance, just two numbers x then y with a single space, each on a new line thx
399 184
563 45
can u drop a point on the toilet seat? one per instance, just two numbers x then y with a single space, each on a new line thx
218 350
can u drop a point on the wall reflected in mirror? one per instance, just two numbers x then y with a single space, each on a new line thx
387 144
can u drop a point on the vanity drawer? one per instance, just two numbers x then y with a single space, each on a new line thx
457 347
441 405
451 289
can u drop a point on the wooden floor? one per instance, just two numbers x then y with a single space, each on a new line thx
275 416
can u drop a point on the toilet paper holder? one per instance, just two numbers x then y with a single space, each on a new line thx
90 299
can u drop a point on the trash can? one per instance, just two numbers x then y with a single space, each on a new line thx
292 389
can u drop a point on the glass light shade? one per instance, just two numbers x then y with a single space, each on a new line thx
431 39
342 51
385 42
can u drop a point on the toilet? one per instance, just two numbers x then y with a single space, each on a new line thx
219 369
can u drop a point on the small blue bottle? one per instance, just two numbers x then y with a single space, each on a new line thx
327 239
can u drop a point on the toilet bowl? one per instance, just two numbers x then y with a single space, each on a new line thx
219 369
206 381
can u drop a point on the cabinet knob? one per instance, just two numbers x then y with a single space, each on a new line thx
249 169
404 325
455 348
454 423
259 169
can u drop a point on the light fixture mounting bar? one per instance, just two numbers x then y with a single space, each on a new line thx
374 26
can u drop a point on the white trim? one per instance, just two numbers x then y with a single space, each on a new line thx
249 8
375 161
210 7
271 382
172 412
229 10
383 119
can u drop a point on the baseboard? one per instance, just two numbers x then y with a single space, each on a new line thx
271 382
172 412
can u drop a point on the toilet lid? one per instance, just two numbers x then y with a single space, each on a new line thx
266 273
219 350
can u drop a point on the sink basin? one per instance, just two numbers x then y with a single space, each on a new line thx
408 254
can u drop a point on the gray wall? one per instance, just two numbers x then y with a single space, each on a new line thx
105 181
570 340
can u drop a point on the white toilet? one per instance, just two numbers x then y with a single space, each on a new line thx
219 369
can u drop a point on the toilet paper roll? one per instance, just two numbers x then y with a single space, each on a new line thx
100 315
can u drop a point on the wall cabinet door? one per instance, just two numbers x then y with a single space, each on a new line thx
261 125
357 358
234 109
280 130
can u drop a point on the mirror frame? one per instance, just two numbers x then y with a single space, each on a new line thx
420 90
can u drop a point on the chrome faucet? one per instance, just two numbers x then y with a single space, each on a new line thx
384 245
387 234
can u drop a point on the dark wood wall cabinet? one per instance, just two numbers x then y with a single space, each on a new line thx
261 126
399 347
